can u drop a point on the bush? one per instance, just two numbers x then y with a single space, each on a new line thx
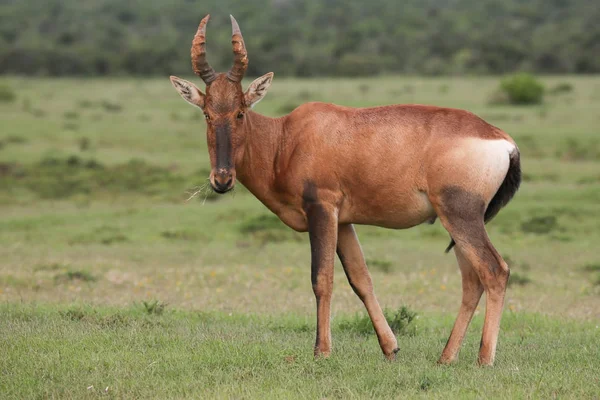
384 266
399 321
540 225
518 279
563 87
522 88
267 228
7 95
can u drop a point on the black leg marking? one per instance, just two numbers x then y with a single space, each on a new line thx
465 212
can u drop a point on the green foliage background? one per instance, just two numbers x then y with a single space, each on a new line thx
302 37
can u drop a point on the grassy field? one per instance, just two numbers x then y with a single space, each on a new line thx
109 278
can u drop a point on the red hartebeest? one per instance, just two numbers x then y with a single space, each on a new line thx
324 167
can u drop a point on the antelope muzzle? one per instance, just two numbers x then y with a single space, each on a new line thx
222 180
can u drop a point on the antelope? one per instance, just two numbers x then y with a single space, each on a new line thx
324 167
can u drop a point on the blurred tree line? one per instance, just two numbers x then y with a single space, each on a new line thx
302 37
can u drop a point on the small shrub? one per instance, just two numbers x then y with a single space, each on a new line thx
154 307
522 88
71 115
7 94
592 267
291 326
113 321
399 321
267 228
84 144
562 87
518 279
49 267
14 139
381 265
85 103
262 222
73 314
175 234
114 238
360 324
76 275
70 126
38 112
111 107
540 225
425 383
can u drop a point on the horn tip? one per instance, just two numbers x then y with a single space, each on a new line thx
202 25
235 28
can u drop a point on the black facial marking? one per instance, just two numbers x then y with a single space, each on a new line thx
223 135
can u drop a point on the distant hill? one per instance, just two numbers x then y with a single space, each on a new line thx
302 37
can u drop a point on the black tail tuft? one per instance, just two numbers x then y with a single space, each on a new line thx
450 246
505 192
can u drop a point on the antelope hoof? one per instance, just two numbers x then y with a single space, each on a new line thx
485 362
391 356
446 360
321 353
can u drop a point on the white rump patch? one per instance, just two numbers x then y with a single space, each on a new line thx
492 158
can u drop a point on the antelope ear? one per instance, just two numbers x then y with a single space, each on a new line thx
258 89
188 91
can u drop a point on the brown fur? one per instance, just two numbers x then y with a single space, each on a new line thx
325 167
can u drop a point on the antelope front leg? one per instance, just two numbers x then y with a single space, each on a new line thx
353 261
322 230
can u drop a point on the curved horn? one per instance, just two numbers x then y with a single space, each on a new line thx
240 55
199 63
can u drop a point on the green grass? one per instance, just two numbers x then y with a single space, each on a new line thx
85 352
95 210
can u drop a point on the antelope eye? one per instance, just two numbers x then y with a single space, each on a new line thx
240 115
207 117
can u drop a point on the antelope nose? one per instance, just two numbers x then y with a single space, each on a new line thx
223 181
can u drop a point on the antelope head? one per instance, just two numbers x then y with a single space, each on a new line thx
224 104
